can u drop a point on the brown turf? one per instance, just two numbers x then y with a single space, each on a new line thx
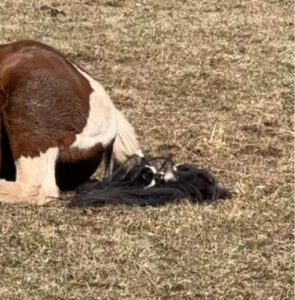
212 83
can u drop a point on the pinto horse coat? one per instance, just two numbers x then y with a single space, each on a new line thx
57 124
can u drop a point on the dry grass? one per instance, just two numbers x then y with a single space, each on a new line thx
212 83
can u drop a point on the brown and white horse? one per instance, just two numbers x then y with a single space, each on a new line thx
57 124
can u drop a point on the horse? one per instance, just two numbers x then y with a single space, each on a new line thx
58 124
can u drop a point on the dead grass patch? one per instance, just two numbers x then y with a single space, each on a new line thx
210 82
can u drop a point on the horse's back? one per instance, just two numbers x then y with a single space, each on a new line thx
20 60
46 99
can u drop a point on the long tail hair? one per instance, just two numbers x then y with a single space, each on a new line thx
126 143
133 186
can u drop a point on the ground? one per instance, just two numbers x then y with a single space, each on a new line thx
210 82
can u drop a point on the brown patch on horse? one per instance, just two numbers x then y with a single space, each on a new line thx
52 96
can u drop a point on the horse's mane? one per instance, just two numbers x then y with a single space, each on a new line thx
129 185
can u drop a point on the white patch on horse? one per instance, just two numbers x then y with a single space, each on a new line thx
39 172
102 123
35 180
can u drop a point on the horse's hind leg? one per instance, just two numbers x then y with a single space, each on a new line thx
35 180
108 162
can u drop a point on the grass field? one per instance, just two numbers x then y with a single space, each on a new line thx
210 82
